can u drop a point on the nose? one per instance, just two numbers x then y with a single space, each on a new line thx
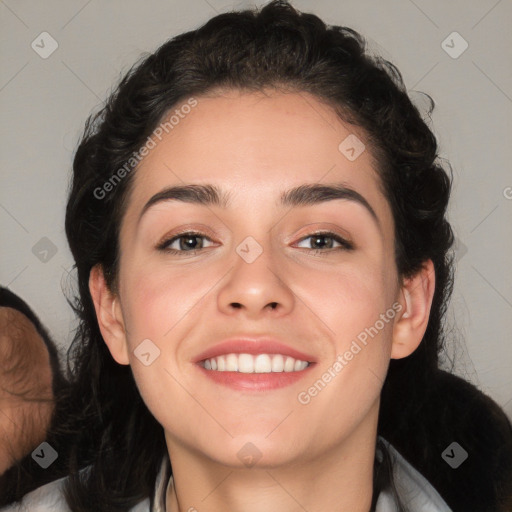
256 288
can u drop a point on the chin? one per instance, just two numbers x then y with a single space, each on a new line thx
258 451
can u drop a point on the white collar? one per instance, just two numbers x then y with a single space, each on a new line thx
163 483
413 488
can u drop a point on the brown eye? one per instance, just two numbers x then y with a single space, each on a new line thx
183 243
325 241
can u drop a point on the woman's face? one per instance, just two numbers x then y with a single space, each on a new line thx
258 270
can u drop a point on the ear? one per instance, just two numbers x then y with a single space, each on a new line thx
417 294
109 315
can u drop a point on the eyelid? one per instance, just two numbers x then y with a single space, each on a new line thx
167 239
326 229
192 229
345 243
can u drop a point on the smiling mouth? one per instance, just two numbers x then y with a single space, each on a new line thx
248 363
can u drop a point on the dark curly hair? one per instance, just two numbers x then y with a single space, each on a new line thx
104 423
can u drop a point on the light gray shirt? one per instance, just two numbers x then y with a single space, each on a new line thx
414 490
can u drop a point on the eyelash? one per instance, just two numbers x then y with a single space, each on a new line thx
344 244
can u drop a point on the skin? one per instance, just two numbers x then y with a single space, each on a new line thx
317 456
26 396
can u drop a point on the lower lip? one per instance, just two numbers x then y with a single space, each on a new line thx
255 381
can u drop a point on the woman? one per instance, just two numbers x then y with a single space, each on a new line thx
258 222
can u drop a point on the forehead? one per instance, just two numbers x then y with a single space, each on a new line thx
255 145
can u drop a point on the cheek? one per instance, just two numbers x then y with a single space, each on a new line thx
356 305
345 298
348 300
156 299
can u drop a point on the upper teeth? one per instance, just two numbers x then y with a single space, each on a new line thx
247 363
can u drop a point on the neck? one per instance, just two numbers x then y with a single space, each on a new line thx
338 480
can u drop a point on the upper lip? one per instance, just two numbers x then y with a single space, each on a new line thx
254 346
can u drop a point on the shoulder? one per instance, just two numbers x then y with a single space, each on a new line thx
414 490
50 498
456 410
46 498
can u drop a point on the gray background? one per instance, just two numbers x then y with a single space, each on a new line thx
44 104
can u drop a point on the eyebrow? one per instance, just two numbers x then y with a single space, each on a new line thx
307 194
